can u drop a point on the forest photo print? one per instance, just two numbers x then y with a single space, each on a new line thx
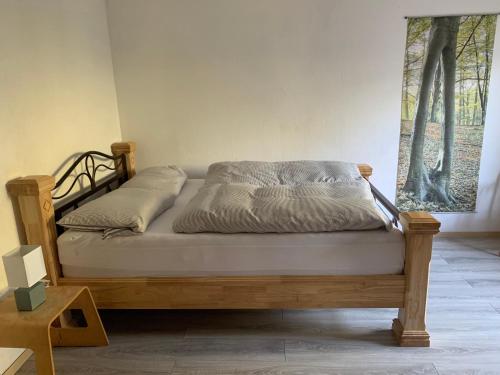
446 76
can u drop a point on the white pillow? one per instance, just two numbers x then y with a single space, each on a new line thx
263 173
158 178
132 207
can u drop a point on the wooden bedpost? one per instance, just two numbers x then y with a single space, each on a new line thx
419 229
366 170
34 199
127 148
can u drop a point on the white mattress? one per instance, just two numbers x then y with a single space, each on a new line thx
161 252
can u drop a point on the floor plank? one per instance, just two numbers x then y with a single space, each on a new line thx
463 319
253 368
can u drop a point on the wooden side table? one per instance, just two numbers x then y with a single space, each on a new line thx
37 329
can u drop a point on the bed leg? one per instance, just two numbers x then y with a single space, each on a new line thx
419 229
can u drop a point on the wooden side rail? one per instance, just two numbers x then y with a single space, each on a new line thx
419 229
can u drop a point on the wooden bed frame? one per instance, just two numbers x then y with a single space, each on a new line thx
33 203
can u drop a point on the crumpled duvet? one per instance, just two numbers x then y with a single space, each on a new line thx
282 197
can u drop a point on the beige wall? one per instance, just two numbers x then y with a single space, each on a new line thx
57 93
202 81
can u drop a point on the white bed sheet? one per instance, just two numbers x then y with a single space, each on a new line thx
161 252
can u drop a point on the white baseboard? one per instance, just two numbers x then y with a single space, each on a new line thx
468 234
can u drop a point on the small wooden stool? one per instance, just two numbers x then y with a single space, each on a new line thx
44 327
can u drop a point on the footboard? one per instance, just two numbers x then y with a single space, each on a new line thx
419 229
33 198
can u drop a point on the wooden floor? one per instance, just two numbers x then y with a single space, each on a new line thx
463 320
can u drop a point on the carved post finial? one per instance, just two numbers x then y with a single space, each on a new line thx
127 149
419 222
365 170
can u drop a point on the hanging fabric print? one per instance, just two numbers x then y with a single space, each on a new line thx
445 95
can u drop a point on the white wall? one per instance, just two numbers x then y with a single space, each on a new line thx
202 81
57 95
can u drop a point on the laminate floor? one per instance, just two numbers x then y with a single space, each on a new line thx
463 320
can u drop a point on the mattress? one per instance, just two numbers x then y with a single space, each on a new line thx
162 252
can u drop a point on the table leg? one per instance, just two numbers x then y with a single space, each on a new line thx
92 335
43 356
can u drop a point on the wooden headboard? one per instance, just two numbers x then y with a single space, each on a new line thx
35 198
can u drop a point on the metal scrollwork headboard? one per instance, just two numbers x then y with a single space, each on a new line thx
92 162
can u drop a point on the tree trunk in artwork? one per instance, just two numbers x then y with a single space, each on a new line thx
466 108
474 111
441 179
442 42
406 115
436 93
461 101
478 76
487 73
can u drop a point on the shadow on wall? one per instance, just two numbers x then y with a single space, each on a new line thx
15 205
17 217
59 170
195 171
79 172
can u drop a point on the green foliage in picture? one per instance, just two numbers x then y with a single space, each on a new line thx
445 95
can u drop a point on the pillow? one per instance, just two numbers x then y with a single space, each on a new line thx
158 178
263 173
132 207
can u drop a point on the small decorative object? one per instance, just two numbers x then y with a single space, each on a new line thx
25 268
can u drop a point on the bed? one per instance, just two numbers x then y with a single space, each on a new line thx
166 270
161 252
